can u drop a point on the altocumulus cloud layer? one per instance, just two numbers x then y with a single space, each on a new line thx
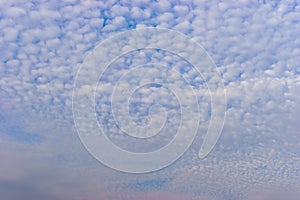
255 47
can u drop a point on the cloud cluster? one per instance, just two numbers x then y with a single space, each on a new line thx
254 44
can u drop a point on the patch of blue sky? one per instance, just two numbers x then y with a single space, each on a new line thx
19 134
148 185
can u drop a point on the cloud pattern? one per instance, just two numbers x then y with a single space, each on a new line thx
255 47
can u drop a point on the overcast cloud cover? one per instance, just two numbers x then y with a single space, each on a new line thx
256 48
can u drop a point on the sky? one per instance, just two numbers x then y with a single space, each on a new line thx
184 68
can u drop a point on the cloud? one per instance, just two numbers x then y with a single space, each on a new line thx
255 46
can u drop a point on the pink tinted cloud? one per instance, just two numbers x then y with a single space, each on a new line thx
294 195
159 195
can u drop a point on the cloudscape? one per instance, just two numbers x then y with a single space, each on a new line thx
247 82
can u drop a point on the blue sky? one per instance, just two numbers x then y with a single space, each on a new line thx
255 47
